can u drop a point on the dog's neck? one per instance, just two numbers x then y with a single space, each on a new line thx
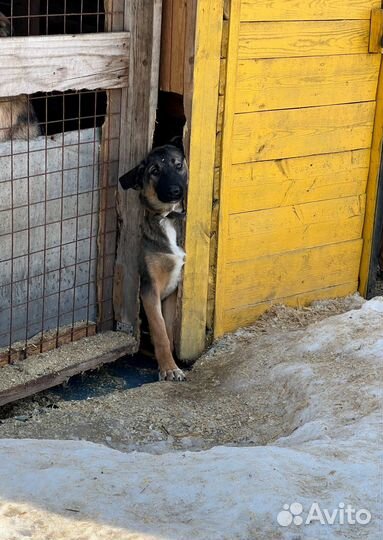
175 211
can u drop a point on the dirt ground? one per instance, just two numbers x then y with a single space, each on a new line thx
217 405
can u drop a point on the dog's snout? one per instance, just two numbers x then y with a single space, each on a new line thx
175 191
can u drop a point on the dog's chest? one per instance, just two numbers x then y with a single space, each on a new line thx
177 255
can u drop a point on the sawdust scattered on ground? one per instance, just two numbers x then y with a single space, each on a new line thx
64 357
212 407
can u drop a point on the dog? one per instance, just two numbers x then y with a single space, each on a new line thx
161 179
17 116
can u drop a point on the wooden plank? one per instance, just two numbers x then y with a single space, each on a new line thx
305 82
109 169
287 274
225 162
244 316
46 342
188 96
301 132
278 230
294 10
178 46
57 366
221 104
376 31
309 38
268 184
225 37
222 77
45 63
372 190
166 45
138 112
201 176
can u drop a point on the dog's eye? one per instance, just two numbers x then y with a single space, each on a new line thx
155 171
178 166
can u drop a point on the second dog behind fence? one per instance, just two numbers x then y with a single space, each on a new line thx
161 179
17 116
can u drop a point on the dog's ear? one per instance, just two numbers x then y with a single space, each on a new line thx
134 178
178 143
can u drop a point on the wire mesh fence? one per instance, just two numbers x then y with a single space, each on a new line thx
57 209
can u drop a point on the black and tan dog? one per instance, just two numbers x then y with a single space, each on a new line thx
17 117
162 180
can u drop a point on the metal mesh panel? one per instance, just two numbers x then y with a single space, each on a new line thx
57 210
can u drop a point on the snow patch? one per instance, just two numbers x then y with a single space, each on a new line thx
329 453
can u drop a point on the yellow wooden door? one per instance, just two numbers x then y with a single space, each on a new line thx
300 102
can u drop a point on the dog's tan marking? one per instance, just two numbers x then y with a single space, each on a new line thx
168 369
169 306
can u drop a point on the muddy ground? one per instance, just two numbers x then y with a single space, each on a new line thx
230 396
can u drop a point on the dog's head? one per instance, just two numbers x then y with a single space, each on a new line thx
5 26
161 177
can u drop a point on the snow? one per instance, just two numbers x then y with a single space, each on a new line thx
77 490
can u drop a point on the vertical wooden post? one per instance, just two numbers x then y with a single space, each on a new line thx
372 191
109 171
201 104
142 18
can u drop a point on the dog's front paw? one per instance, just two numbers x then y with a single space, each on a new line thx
172 375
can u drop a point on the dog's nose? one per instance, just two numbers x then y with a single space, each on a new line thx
175 191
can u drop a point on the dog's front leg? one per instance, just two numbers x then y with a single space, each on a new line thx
169 306
167 367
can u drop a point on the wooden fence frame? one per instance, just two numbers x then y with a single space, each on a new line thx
125 62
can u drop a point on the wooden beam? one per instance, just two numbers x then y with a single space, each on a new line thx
200 193
225 163
376 31
50 339
47 63
365 273
142 18
108 180
55 367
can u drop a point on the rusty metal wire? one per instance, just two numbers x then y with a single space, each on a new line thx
57 215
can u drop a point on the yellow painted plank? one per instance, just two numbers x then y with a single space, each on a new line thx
287 274
268 184
294 10
300 132
244 316
284 83
289 228
308 38
372 189
376 31
201 176
226 162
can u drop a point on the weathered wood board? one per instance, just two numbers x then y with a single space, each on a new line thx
142 18
55 367
49 204
74 62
